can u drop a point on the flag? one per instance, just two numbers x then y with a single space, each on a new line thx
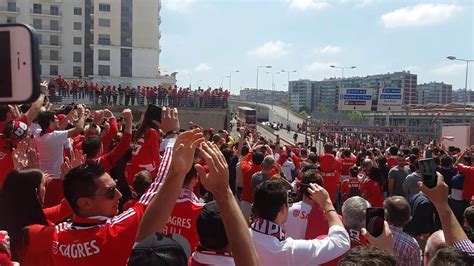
450 138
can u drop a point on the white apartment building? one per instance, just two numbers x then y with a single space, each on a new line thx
106 41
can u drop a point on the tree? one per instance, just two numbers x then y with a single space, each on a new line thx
322 109
304 113
303 109
355 115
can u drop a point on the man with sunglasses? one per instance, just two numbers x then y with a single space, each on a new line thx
97 235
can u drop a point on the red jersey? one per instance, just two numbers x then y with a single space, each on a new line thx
145 155
248 169
392 161
350 187
372 192
331 182
129 204
184 217
345 164
6 161
317 223
468 188
95 240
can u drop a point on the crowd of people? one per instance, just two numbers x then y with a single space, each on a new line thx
106 95
83 187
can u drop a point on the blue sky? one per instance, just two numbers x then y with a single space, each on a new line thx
207 39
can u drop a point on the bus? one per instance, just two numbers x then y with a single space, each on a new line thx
247 115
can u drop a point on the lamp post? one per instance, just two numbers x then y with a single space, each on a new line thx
289 103
190 81
230 79
256 88
273 85
465 84
342 68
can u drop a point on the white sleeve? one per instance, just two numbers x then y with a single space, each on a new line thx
60 137
311 252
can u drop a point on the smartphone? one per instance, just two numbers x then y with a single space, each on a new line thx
19 58
374 218
428 172
153 113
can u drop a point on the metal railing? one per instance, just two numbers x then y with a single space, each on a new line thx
9 9
45 12
49 43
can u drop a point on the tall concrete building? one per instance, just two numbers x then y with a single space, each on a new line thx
263 96
325 92
435 93
106 41
300 93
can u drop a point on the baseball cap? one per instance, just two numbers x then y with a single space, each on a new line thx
210 227
160 249
15 130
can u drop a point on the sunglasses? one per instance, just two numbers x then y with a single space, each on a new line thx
110 194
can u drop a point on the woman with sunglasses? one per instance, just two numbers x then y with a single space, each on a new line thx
21 202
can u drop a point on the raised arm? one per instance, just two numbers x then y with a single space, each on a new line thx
217 182
241 142
35 107
79 123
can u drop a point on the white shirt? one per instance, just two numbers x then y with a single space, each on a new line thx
287 167
50 147
297 220
273 252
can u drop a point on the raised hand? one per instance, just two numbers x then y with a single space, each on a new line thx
169 120
183 151
383 241
318 194
217 180
20 155
77 158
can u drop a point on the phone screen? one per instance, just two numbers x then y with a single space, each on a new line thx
5 58
374 218
428 172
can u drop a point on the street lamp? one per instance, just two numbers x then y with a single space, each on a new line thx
256 88
190 81
465 84
273 85
289 104
230 79
342 68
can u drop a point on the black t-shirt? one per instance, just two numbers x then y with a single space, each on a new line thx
233 173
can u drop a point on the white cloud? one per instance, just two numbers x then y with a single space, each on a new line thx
271 49
308 4
318 67
420 15
180 6
450 69
329 49
203 67
358 3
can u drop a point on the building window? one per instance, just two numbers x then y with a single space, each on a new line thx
103 22
54 10
104 39
54 40
54 25
104 7
104 55
53 70
78 11
77 25
104 70
77 40
40 39
37 23
77 57
11 20
37 8
54 55
76 71
12 7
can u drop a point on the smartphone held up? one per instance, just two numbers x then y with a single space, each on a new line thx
19 64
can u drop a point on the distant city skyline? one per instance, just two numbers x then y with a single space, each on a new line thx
204 40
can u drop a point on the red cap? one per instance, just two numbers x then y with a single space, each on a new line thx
61 116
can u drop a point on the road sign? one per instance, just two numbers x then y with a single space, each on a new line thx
390 99
355 99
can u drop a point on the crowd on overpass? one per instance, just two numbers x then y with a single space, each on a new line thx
87 188
80 90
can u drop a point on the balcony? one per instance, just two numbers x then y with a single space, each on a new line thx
9 10
49 43
45 12
48 58
47 28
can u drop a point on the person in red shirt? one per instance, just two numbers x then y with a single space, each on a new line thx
392 159
346 161
327 169
250 164
372 187
13 133
92 146
141 182
145 149
22 199
97 235
186 211
468 171
351 187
